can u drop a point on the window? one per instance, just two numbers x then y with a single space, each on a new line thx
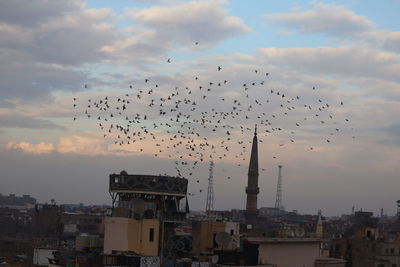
232 231
369 234
151 235
394 265
392 251
215 245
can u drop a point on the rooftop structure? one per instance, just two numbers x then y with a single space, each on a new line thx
147 185
146 202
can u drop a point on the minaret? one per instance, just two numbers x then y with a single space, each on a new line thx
252 189
319 230
278 201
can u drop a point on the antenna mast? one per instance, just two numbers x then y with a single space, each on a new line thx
278 201
210 190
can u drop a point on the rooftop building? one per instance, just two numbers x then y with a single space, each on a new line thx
145 211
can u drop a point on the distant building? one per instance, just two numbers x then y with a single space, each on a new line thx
15 202
88 242
47 226
371 250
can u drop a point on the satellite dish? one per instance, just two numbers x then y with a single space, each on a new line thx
214 259
223 239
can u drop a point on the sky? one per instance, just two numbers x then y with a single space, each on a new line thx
319 78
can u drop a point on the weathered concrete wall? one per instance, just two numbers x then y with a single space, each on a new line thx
129 234
288 254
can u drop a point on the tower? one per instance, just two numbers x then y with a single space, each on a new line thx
319 229
278 201
252 189
210 190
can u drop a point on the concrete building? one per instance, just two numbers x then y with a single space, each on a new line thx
126 234
145 211
205 236
47 226
82 223
204 233
232 228
282 252
370 250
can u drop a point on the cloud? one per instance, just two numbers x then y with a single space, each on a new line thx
390 136
328 19
32 81
75 144
392 42
346 61
88 144
393 129
40 148
33 13
188 22
42 43
21 121
66 33
378 88
340 22
47 46
159 29
82 145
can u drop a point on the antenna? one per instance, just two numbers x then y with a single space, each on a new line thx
278 201
210 190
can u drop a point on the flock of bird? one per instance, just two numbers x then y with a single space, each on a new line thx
207 120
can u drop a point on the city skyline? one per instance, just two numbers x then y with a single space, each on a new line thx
344 55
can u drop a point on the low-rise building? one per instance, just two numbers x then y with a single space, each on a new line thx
205 236
282 252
